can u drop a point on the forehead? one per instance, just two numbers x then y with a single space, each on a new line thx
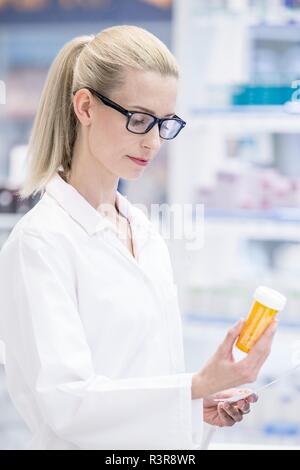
150 90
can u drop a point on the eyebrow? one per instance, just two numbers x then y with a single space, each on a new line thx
141 108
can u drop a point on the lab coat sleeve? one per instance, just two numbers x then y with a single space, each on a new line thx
43 329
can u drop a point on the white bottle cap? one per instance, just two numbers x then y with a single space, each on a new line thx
270 298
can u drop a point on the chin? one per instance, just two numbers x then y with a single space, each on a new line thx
131 176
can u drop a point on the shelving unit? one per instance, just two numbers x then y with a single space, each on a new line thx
199 150
265 121
241 248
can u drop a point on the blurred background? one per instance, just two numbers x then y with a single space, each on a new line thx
238 156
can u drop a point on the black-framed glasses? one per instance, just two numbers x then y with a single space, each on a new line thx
141 123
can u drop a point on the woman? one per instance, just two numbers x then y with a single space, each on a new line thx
90 317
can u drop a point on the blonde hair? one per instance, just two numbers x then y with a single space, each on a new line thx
98 62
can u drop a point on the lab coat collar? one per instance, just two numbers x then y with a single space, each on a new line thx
86 215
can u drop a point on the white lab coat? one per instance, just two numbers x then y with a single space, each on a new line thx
93 338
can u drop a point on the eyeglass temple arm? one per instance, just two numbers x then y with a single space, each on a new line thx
111 103
107 100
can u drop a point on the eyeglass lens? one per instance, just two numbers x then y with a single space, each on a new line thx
140 123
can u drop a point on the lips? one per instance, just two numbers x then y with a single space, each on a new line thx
138 158
139 161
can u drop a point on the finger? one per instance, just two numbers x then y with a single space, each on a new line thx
233 412
260 351
225 418
253 398
263 345
243 406
244 403
226 347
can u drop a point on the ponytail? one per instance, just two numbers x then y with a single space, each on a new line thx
54 129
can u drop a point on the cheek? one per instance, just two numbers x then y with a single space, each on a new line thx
111 144
100 139
100 134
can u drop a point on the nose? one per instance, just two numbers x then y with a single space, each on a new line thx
152 139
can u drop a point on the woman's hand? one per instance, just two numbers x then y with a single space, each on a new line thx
222 372
227 414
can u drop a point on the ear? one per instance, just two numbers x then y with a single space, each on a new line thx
83 103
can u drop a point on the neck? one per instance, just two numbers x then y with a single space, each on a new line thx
93 181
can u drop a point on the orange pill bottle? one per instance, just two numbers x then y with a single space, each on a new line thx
267 303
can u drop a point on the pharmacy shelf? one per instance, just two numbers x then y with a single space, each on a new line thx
255 230
240 122
193 319
280 216
282 19
239 224
276 32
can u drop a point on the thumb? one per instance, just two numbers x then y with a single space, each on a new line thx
263 346
226 347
